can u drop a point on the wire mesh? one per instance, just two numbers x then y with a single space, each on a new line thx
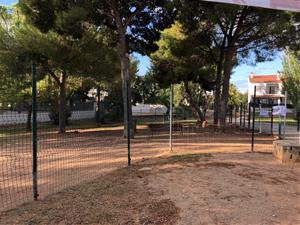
15 158
197 136
86 150
82 153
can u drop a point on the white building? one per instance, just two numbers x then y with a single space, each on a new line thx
268 88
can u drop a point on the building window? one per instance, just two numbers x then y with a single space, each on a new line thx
272 89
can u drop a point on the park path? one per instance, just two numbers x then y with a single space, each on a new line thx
291 132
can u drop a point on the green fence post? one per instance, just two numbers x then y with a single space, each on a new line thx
272 120
244 119
241 114
98 119
171 117
34 134
249 115
253 120
128 125
280 127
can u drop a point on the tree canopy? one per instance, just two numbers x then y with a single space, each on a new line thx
178 60
94 39
56 50
291 79
135 26
237 34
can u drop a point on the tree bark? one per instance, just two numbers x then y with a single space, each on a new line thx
225 87
218 85
194 105
62 102
28 122
126 90
217 95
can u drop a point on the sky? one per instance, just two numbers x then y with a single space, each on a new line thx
240 73
7 2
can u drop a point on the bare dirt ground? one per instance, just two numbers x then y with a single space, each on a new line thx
231 188
208 178
67 160
121 197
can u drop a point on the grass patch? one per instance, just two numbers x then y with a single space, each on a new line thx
289 121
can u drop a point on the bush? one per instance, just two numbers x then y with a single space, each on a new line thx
54 116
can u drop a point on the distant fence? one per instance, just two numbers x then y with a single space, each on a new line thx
14 117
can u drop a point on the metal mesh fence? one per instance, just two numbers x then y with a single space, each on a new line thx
15 159
84 152
81 153
195 136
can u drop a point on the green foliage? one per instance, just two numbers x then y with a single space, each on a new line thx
113 105
54 35
54 116
113 102
237 34
291 80
146 90
236 98
294 37
48 91
64 17
15 93
134 26
178 59
251 31
140 21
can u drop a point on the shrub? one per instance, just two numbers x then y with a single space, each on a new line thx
54 116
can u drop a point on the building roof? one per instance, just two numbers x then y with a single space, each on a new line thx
264 78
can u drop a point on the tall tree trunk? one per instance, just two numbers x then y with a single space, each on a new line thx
194 104
217 95
28 122
218 86
228 64
126 90
205 104
62 102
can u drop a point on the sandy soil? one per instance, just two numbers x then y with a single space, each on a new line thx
210 177
121 197
68 160
231 188
194 187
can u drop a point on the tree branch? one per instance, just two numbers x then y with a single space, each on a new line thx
137 11
106 13
239 25
52 74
